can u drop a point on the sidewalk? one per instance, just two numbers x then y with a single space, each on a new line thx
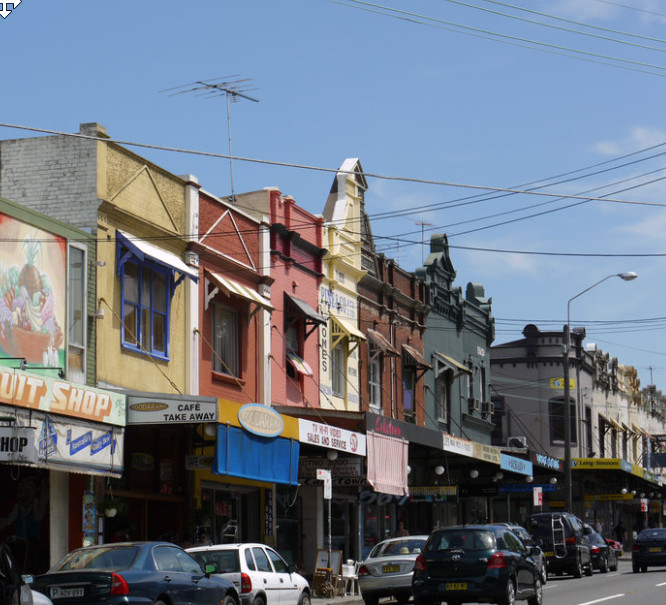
354 599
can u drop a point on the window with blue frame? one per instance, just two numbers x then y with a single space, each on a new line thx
146 298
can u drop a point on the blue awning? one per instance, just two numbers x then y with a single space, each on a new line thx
239 453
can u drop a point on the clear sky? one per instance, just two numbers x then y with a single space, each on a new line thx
566 96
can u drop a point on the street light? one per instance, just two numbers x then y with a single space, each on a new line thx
567 395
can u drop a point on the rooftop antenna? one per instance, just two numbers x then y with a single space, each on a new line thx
233 89
423 225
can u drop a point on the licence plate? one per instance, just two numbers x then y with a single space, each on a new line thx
549 553
390 568
655 549
456 586
66 593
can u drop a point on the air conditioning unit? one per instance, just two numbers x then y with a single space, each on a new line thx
474 404
488 408
517 441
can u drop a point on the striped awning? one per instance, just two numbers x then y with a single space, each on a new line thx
233 288
300 365
349 329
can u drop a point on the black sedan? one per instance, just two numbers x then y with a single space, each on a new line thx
649 549
133 572
603 554
473 563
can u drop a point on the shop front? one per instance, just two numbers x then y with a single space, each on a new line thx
55 437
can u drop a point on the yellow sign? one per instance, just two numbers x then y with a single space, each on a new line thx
607 497
558 383
596 463
489 453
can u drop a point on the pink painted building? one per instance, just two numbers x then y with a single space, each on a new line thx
296 270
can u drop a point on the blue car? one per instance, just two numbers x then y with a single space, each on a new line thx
150 573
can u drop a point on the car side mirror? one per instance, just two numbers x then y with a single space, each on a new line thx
210 568
535 551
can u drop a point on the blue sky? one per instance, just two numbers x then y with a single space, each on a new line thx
448 96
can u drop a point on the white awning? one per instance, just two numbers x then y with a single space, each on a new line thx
350 330
142 248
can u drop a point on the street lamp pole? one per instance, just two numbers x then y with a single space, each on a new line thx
566 347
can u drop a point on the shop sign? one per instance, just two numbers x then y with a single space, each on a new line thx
433 493
332 437
457 445
506 488
549 462
538 496
607 497
600 463
369 496
479 490
260 420
17 445
487 453
54 396
341 467
193 463
516 465
160 410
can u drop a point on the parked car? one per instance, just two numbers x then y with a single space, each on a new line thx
562 539
602 554
259 573
133 572
14 587
387 570
649 549
529 541
476 563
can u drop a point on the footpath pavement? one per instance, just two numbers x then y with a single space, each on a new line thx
344 600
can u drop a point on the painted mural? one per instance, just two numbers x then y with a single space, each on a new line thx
33 275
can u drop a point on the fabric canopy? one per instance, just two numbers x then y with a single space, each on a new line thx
300 365
229 287
387 464
142 249
239 453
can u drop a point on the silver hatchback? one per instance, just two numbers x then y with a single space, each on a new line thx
387 571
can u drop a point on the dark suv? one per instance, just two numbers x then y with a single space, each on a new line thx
563 540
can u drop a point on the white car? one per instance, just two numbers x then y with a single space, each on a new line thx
259 573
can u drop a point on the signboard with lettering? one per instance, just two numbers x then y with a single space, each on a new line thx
516 465
18 445
260 420
456 445
178 410
558 383
325 435
341 467
538 496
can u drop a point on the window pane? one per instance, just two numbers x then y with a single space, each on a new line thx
225 340
338 371
77 300
159 292
130 317
131 283
374 376
408 389
159 333
145 329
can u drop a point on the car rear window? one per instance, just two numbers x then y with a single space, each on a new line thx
398 547
108 559
225 561
652 534
465 539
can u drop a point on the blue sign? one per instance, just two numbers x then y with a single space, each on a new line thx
515 465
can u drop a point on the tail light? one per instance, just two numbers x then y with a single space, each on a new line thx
420 564
246 583
570 541
635 548
363 571
497 561
119 585
595 550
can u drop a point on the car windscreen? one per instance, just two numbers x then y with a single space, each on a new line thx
652 534
468 540
102 558
407 546
225 561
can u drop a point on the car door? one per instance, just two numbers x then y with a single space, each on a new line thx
288 587
524 564
266 576
170 574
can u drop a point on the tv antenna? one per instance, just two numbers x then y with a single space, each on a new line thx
233 89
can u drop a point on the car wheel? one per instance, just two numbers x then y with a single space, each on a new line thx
229 600
613 567
370 600
643 568
304 599
577 571
259 601
544 574
403 597
509 596
603 564
537 597
589 570
635 568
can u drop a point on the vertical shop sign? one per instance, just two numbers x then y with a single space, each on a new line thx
268 512
89 518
